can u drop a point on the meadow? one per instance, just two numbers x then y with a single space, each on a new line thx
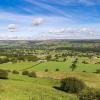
50 67
53 65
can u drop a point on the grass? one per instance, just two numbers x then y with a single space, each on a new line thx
53 65
25 88
16 66
21 87
91 79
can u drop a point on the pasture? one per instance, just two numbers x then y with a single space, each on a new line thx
53 65
50 67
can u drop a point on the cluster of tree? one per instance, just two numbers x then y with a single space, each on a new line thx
18 58
76 86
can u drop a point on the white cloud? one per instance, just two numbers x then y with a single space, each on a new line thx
71 30
12 27
37 21
57 31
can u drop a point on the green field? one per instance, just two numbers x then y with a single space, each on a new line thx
53 65
51 62
20 87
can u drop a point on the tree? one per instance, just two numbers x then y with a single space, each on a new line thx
48 58
74 65
64 59
3 74
72 85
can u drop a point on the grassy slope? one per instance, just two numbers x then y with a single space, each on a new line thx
91 79
25 88
19 87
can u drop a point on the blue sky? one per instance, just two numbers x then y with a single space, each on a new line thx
49 19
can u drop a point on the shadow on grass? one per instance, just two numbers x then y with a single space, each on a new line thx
58 88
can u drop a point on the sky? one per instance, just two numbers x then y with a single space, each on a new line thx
49 19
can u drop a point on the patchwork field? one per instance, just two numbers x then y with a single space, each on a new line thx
53 65
48 67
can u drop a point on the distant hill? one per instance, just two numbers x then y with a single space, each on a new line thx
52 44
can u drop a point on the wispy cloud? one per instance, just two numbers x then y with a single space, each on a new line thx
49 8
73 31
73 2
53 17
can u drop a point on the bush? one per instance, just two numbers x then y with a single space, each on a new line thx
15 72
98 71
32 74
46 70
57 69
72 85
3 74
85 62
88 94
84 71
98 94
25 73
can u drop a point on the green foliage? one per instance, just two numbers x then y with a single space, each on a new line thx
46 70
64 59
48 58
15 72
88 94
4 60
3 74
98 71
72 85
57 69
32 74
85 62
25 72
97 94
73 66
32 58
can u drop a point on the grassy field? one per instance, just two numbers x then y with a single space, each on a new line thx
17 66
53 65
20 87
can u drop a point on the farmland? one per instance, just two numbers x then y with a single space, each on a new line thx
51 61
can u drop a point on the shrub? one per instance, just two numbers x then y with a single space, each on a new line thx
3 74
25 73
15 72
87 94
98 71
46 70
72 85
85 62
84 71
98 94
57 69
64 59
32 74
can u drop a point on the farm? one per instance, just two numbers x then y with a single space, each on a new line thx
36 68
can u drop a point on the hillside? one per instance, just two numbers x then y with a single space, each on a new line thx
52 44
